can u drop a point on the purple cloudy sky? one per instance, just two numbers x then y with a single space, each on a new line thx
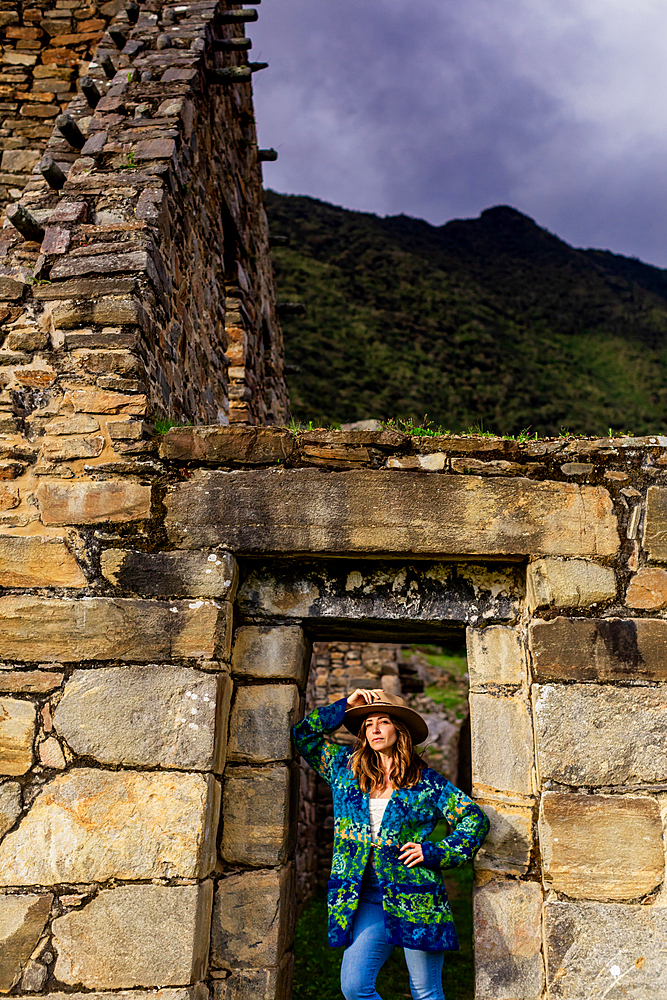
441 108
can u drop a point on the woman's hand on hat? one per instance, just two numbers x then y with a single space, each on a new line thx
411 855
364 696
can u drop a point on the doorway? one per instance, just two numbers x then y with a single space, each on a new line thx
433 679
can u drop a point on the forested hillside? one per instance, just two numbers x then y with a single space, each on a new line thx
489 322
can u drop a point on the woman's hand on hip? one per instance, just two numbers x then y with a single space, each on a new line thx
364 696
411 855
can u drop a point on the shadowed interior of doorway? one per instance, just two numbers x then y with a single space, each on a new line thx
434 681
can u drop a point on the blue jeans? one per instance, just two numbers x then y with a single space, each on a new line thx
369 950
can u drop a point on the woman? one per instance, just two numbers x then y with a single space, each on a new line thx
385 887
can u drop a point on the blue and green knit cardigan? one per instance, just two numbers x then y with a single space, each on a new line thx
416 911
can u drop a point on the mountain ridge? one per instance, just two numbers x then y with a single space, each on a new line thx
491 322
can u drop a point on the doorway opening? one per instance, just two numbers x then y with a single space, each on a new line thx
433 679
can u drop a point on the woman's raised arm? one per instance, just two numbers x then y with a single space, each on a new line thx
310 737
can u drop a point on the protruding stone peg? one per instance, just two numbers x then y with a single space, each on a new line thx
70 130
256 66
231 44
267 155
27 224
106 62
233 74
279 241
52 173
237 16
291 309
90 91
132 11
118 37
163 41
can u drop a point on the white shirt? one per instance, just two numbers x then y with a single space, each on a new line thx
377 808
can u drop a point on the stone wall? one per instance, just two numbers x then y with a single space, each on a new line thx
46 47
146 290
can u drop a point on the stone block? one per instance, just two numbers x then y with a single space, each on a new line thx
245 445
655 524
115 824
267 653
379 511
22 920
10 805
602 649
598 735
605 847
502 743
100 628
156 716
198 991
257 803
648 589
90 503
104 401
30 681
17 161
79 424
65 449
257 984
509 843
495 656
568 583
378 595
51 754
136 935
17 731
172 574
260 727
38 561
253 919
507 928
590 946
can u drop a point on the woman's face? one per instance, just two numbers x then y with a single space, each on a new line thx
381 733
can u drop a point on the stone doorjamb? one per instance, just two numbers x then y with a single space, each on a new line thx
280 607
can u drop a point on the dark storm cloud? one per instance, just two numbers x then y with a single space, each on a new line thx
440 108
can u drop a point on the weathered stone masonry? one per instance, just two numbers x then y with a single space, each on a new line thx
139 706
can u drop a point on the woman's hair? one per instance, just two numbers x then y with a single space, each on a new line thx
406 766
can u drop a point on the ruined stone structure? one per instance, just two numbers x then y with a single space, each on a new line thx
160 596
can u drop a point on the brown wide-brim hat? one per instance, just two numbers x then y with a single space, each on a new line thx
393 705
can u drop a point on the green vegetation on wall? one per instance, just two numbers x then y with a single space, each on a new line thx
491 323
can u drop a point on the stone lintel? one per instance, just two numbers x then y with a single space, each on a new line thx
342 597
383 512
